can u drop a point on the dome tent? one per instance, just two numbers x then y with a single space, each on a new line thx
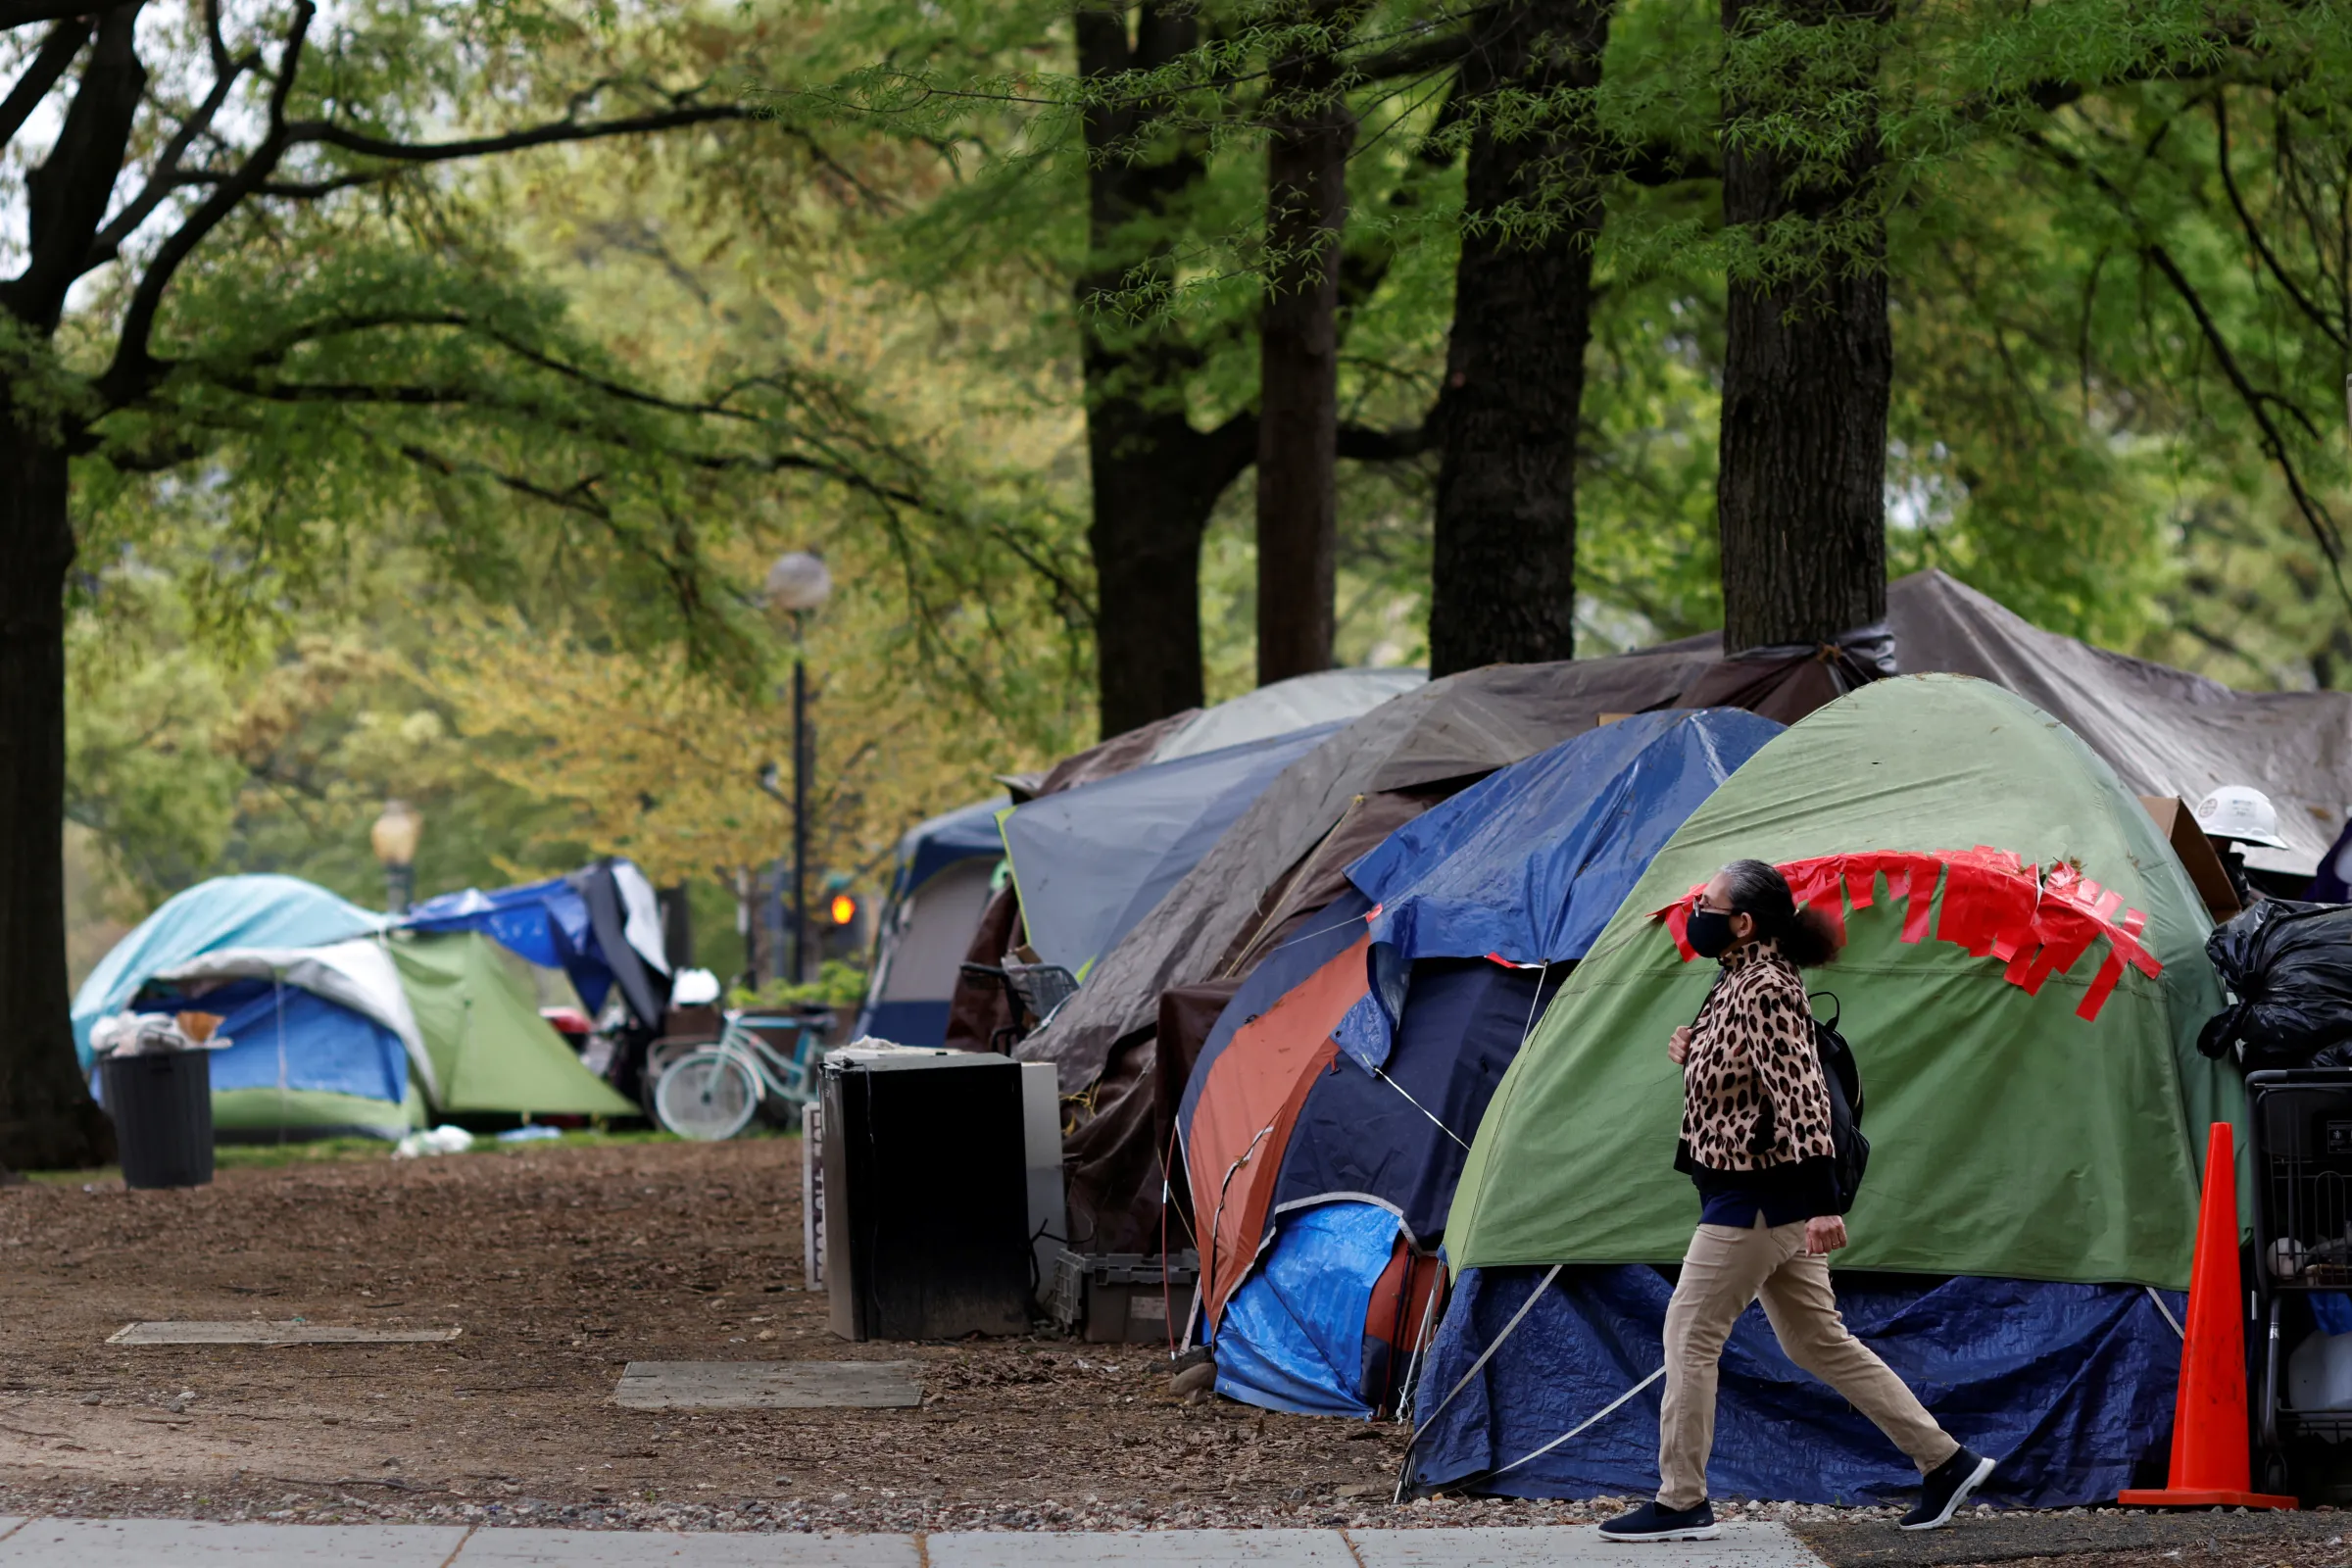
1092 861
941 882
1323 1124
2023 985
227 911
323 1040
490 1052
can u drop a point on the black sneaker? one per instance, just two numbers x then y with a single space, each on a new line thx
1943 1490
1654 1521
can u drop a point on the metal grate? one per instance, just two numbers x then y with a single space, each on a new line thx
2304 1146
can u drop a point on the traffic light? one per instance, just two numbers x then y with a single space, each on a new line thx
843 909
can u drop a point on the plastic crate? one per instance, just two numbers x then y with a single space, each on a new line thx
1122 1298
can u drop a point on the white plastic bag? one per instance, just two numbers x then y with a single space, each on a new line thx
442 1140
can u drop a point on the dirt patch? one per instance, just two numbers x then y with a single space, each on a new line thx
561 1265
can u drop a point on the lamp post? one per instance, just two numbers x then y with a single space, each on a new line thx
796 584
394 840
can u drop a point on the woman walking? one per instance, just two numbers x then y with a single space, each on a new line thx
1757 1140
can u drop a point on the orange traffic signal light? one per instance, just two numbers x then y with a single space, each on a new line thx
844 909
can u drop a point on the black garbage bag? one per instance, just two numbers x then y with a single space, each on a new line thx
2289 966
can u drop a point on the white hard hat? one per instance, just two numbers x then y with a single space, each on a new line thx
2234 812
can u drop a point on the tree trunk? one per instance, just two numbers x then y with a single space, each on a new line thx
1155 479
47 1118
1503 571
1800 490
1299 363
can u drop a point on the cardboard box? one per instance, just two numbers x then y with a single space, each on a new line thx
2178 824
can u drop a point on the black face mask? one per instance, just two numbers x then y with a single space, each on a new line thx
1709 932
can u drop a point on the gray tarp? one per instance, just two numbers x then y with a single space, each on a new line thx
1460 727
1093 861
1327 697
2164 731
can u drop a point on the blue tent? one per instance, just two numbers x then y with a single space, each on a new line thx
1090 862
967 833
1474 912
228 911
599 925
2074 1382
296 1043
1529 864
321 1040
938 892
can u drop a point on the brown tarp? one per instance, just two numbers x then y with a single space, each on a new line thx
1116 1182
1116 1156
1455 729
2164 731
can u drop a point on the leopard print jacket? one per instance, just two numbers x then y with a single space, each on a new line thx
1753 1094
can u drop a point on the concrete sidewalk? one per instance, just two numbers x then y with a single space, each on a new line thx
168 1542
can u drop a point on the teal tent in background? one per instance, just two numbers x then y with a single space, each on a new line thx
228 912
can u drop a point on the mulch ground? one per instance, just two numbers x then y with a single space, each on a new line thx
561 1264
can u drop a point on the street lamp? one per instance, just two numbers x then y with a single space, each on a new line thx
796 584
394 840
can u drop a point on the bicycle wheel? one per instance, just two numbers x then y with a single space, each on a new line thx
708 1095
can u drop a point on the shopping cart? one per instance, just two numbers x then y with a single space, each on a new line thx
2300 1145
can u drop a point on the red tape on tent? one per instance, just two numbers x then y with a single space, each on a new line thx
2036 921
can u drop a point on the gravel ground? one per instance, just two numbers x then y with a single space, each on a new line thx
560 1264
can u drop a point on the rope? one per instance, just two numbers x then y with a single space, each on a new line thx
1423 1109
1606 1409
1484 1357
1533 1003
1412 1368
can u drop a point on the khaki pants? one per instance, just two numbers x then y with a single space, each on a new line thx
1724 1270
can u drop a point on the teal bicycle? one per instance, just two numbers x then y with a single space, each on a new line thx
712 1092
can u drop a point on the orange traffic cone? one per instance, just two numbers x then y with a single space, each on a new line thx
2209 1464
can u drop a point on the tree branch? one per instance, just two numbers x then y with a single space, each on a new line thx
2315 516
66 197
107 243
133 368
1364 443
2245 219
322 134
25 13
48 63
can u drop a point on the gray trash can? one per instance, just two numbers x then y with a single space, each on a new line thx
162 1103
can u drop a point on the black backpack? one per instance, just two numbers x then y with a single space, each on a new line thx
1850 1155
1844 1078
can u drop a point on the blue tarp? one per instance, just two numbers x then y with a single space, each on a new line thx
1364 1137
228 911
1530 862
554 924
1292 1335
2071 1386
1092 861
283 1037
546 923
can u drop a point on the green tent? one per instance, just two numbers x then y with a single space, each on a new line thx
2011 1135
490 1049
